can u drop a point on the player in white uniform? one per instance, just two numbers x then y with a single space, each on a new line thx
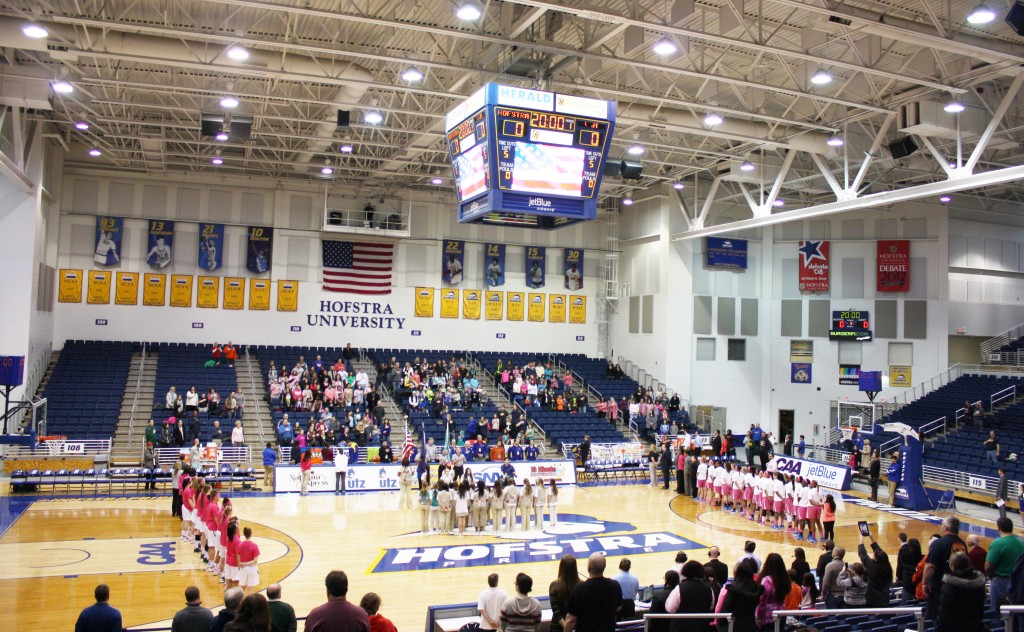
536 275
749 483
702 479
815 501
493 272
454 267
737 489
790 501
106 250
778 488
573 278
210 251
159 255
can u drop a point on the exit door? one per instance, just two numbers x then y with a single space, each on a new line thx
786 419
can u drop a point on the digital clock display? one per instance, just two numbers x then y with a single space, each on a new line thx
850 325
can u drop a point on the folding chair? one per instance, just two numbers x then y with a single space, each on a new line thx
947 503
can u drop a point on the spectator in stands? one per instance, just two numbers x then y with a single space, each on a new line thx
976 553
253 615
238 435
178 432
854 583
594 603
213 398
171 399
232 600
101 616
741 597
907 560
337 615
230 407
217 354
1002 491
658 602
388 456
823 560
961 605
150 463
748 552
152 434
777 584
230 354
239 403
937 562
521 612
630 586
217 434
490 602
832 592
1002 556
715 568
800 564
191 401
378 623
561 589
991 445
282 615
692 595
878 572
193 617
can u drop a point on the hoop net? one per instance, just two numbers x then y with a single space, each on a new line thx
847 432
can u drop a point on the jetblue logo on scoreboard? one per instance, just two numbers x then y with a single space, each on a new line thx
576 534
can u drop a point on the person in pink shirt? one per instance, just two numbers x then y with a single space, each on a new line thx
222 538
231 574
212 519
248 561
187 507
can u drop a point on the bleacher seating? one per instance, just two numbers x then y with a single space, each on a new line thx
183 366
85 389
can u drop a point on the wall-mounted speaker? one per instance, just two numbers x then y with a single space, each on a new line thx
631 170
902 148
1015 18
344 117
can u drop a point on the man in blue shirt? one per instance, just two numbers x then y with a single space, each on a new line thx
531 452
269 459
629 584
99 617
480 449
508 471
284 432
515 453
756 433
893 474
801 448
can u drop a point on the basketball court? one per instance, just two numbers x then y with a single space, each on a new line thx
57 549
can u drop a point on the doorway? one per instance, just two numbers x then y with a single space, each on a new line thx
786 420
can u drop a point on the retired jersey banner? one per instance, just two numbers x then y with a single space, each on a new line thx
99 287
127 290
181 290
259 294
494 264
261 249
449 303
893 265
161 240
234 293
556 308
108 241
154 289
287 296
494 303
424 302
578 310
211 246
515 305
536 309
452 259
573 269
471 304
814 264
69 289
536 263
208 292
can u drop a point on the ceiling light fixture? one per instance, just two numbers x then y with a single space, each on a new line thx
373 117
436 181
63 87
412 74
238 53
345 148
469 11
627 201
954 107
747 166
821 77
778 202
981 14
635 150
223 136
34 31
712 120
327 170
217 161
835 140
94 152
229 102
678 186
665 46
82 125
945 199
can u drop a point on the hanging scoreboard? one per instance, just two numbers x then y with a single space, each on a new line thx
528 158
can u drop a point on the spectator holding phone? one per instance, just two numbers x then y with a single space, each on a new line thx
878 570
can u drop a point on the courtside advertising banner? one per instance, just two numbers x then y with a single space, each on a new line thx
573 269
494 264
161 242
108 241
211 246
261 249
893 265
452 261
536 260
814 263
825 474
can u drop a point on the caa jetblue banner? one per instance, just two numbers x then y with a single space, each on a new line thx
261 249
161 241
725 254
494 264
211 246
535 266
826 474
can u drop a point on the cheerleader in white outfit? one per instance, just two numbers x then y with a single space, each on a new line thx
540 500
553 502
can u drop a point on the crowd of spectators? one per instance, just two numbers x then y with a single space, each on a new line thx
183 426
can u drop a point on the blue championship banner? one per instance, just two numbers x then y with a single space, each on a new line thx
536 263
161 241
261 249
108 241
725 254
494 263
573 269
211 246
452 260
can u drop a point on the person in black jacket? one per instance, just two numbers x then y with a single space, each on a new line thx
800 564
962 599
742 596
658 602
874 474
692 595
879 572
666 462
909 557
715 568
825 558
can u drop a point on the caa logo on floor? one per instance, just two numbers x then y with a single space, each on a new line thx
575 534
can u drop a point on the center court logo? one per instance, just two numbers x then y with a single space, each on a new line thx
575 534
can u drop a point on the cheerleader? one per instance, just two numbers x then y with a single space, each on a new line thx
737 489
803 503
553 502
510 500
213 513
789 506
540 499
481 499
424 507
444 507
749 484
187 506
526 497
496 504
702 480
720 477
463 498
435 509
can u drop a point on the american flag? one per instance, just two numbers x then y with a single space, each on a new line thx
357 268
407 446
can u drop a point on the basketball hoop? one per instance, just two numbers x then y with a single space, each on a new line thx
847 432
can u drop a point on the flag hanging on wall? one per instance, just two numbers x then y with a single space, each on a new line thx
814 264
108 241
452 260
535 266
494 264
357 268
573 269
261 249
161 241
211 246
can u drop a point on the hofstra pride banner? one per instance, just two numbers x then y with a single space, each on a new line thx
893 257
814 266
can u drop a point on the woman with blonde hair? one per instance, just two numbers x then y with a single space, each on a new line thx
481 500
511 499
496 504
553 502
540 498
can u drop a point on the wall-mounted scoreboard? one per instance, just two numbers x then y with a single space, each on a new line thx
528 158
850 325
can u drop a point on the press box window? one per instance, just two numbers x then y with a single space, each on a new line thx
737 350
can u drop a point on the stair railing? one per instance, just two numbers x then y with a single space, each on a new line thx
135 398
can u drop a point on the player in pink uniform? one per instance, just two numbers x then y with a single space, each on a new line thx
248 561
226 516
211 520
231 559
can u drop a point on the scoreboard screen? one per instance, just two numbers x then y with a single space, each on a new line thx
850 325
528 157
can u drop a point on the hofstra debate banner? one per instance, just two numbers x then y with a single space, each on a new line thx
452 261
494 302
573 269
108 241
161 243
494 264
211 246
424 302
893 257
261 249
536 262
814 264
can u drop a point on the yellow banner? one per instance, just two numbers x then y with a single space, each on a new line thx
208 292
234 293
99 287
70 286
900 375
287 296
449 303
556 308
515 305
536 312
493 309
259 294
181 290
154 289
127 291
424 302
578 310
471 304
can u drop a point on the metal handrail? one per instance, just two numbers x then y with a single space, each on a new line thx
256 396
1009 613
931 426
135 399
995 342
782 615
1006 393
727 616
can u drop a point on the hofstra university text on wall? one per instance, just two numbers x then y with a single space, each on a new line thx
355 315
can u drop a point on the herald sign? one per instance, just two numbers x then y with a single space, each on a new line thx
825 474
